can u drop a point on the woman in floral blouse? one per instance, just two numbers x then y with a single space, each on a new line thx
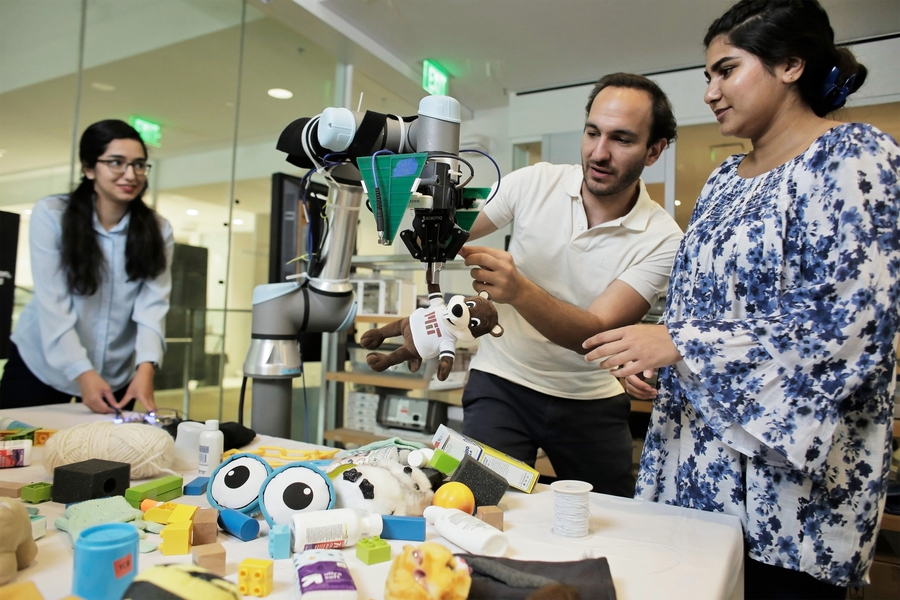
779 338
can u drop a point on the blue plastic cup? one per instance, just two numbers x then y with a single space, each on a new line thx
106 561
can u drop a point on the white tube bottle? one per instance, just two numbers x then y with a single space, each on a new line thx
469 533
212 444
333 528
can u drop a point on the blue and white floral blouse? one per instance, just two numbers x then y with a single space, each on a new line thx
785 304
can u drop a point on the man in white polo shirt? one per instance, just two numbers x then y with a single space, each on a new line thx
590 251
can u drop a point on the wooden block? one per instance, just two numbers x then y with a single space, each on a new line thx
211 557
206 528
11 489
491 515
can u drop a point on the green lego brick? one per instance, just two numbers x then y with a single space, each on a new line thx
373 550
162 489
36 492
443 462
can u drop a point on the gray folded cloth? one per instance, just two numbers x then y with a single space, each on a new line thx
505 578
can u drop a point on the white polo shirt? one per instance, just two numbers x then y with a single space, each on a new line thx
554 248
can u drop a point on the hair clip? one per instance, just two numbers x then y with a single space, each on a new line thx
831 87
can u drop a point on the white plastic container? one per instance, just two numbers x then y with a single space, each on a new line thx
212 443
334 528
469 533
187 445
323 575
420 458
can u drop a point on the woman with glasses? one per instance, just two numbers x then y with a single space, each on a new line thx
100 260
775 403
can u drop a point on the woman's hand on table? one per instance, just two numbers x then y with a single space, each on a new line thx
96 393
141 387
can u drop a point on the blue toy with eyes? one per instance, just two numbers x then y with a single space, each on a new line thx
246 483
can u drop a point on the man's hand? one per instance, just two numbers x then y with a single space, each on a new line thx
630 350
141 387
495 272
640 389
96 393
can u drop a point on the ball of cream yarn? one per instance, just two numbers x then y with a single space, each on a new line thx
148 450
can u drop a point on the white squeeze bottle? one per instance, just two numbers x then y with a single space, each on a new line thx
469 533
333 528
212 444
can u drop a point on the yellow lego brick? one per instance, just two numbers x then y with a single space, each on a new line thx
176 538
21 591
255 576
42 435
158 515
181 513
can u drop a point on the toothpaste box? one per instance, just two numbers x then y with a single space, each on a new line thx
15 453
518 474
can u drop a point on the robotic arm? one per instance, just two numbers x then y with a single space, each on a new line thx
337 142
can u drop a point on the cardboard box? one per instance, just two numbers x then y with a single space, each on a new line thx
518 474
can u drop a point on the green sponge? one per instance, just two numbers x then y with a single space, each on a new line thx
443 462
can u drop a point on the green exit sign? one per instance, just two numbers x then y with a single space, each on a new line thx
150 132
434 80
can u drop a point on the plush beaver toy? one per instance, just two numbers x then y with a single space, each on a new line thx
433 331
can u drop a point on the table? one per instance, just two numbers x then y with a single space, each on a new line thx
654 551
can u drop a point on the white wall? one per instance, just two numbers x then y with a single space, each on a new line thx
534 115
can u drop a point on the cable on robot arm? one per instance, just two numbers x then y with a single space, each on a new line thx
435 154
496 166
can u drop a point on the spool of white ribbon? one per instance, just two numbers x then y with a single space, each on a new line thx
571 508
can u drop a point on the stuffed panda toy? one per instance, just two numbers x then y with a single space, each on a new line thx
387 489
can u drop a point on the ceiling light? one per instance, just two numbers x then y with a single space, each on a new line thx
193 212
103 87
280 93
237 222
678 203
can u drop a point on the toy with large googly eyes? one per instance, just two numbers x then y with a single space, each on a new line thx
294 488
236 483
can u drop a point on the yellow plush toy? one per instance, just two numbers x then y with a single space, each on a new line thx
427 572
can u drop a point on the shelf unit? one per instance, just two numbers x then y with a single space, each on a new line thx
335 375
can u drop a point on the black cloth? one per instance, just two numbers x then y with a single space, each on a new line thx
20 388
585 440
765 582
236 435
590 576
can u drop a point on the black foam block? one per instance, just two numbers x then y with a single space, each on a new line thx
90 479
487 486
435 477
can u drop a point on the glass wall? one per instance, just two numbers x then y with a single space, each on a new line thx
201 70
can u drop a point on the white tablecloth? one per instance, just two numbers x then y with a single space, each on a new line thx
654 551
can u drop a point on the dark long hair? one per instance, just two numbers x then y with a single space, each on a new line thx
82 259
775 30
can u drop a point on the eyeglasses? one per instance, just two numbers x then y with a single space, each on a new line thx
118 166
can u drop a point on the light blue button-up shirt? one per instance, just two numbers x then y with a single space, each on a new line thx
61 335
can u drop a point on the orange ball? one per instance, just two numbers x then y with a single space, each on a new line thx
454 494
